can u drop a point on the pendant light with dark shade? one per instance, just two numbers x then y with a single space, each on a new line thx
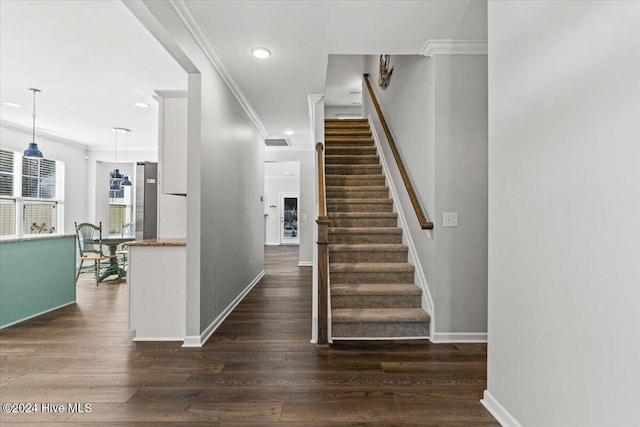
33 152
117 180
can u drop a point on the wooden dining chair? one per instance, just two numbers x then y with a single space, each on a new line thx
128 230
90 247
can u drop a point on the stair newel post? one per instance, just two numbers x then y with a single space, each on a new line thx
323 254
323 279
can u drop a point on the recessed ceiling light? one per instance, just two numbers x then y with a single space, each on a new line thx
12 104
141 104
261 52
287 173
288 132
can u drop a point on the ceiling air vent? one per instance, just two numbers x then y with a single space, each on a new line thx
276 142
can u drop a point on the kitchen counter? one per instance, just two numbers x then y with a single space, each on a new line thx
157 279
37 275
159 242
15 238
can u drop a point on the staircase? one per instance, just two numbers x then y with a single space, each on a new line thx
373 294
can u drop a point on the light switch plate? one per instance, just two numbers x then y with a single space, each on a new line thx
450 219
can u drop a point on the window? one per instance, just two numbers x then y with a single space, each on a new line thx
39 217
117 217
31 195
39 178
6 173
7 217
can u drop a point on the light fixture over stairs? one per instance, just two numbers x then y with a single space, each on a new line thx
373 292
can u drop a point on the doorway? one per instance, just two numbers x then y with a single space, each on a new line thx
282 178
289 207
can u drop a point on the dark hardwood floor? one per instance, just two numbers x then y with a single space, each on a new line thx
257 369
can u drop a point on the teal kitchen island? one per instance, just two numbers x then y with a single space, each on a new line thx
37 275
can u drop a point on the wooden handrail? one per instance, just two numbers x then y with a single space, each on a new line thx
322 210
323 253
425 224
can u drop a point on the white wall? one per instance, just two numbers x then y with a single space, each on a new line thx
564 282
100 188
273 187
99 161
308 212
333 112
72 154
436 109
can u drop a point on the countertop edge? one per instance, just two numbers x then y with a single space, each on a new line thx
158 242
36 237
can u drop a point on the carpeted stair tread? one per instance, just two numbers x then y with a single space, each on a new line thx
368 247
357 188
341 140
375 289
365 230
363 215
355 180
372 267
350 159
354 150
379 315
348 132
352 169
360 201
354 120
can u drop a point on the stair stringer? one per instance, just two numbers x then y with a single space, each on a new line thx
420 278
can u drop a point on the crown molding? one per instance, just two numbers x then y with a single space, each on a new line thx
454 47
312 100
28 131
203 39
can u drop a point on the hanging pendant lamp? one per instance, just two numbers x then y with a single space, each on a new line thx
125 180
115 175
32 152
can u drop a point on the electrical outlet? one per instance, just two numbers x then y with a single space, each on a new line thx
450 219
251 264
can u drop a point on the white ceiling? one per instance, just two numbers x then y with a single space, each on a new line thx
93 59
302 34
282 169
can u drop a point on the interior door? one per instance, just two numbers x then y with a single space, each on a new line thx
289 234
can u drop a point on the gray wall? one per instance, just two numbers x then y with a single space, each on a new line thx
564 156
225 179
461 186
436 109
232 181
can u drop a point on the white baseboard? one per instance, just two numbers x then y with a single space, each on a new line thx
36 315
272 244
459 337
192 341
198 341
377 338
159 339
498 411
305 264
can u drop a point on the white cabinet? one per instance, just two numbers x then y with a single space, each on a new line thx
173 141
157 280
